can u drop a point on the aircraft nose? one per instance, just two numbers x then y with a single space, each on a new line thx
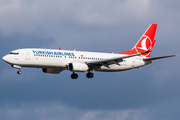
4 58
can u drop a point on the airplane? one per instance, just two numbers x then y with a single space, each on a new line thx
54 61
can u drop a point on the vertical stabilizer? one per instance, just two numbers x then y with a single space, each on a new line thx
146 42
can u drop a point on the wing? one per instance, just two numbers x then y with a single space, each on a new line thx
115 60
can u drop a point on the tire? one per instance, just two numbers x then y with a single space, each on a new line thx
74 76
89 75
19 72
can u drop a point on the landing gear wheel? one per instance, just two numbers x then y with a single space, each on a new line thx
19 72
89 75
74 76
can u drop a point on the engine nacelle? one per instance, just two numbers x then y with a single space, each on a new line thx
78 67
51 70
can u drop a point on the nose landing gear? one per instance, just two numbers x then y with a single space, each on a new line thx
19 71
17 67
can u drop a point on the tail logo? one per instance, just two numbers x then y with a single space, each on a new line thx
143 44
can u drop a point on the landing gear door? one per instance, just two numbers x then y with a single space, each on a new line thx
27 55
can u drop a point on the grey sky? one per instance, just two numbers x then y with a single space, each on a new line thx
149 93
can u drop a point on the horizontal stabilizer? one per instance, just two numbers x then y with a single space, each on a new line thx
155 58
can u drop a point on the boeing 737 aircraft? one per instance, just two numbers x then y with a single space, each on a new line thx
54 61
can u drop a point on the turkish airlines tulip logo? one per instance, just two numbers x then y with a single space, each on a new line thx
144 44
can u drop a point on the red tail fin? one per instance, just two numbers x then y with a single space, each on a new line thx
146 42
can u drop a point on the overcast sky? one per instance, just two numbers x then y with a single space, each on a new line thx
149 93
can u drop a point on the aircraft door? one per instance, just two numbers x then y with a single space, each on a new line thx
27 55
133 62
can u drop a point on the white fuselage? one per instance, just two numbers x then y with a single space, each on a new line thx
49 58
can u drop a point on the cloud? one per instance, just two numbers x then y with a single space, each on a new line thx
66 23
12 113
42 17
151 92
115 115
57 111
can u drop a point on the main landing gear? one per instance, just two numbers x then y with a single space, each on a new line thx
88 75
74 76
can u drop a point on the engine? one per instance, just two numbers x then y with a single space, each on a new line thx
51 70
78 67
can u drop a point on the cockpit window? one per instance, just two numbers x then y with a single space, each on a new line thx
14 53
